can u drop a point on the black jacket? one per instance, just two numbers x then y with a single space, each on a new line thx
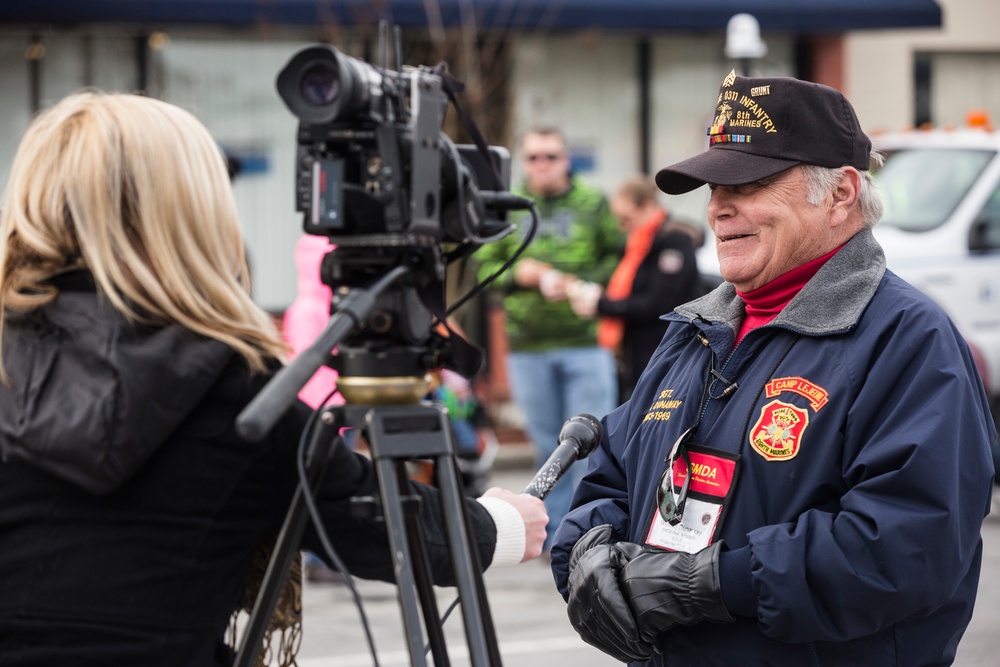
130 508
667 277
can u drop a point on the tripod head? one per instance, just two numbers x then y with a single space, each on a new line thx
385 358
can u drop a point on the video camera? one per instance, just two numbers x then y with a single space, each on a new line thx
373 166
377 175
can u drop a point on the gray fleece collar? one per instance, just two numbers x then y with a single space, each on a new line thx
832 302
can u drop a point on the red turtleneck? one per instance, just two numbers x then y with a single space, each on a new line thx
764 303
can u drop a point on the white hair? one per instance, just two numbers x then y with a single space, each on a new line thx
820 182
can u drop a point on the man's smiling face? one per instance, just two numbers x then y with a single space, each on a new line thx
767 228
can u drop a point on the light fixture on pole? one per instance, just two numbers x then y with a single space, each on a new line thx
743 41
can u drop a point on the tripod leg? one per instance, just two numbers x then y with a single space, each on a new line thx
396 525
475 608
424 579
398 433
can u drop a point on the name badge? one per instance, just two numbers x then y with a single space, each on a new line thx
713 478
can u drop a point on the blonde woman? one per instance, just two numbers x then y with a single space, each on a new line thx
130 510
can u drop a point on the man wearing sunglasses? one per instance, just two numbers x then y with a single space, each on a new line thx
801 474
555 366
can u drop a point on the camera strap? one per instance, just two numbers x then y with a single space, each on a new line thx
452 87
459 354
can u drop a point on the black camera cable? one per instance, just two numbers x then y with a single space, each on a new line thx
328 548
478 288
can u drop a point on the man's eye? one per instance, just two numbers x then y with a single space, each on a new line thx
756 186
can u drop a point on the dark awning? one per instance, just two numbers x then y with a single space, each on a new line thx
529 15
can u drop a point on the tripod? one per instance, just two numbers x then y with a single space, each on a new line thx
396 433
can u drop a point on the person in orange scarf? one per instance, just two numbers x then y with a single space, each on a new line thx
657 272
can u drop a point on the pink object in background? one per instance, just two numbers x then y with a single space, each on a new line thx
308 315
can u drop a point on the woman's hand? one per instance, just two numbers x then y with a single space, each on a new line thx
532 512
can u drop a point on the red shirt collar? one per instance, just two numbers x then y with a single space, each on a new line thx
764 303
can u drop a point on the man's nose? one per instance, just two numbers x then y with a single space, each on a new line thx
720 203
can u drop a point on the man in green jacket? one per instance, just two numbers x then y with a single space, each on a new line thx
555 366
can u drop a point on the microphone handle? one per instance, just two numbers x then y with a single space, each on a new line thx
554 468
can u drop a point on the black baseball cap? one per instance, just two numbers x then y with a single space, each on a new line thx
765 125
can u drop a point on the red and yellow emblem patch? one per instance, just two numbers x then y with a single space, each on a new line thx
778 433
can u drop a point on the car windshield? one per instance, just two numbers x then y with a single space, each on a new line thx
921 187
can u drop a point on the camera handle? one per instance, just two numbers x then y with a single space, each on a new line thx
265 409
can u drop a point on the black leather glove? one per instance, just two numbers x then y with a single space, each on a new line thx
666 588
597 608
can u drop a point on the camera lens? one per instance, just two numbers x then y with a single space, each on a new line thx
320 84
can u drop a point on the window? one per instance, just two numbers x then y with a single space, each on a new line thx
921 187
985 232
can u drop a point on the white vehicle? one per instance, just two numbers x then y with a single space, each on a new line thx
941 230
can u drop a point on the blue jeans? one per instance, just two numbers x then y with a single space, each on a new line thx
550 387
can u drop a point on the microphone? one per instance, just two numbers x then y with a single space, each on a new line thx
578 437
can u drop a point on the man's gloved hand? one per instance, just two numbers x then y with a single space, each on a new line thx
666 588
597 608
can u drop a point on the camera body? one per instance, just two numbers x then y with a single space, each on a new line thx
373 166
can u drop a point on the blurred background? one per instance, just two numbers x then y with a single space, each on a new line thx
630 82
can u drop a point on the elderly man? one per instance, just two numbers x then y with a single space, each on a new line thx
802 471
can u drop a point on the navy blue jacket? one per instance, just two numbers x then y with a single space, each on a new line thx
861 548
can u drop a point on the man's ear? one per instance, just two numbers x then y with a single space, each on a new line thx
845 196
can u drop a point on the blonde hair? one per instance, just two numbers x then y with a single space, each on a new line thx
136 191
820 181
